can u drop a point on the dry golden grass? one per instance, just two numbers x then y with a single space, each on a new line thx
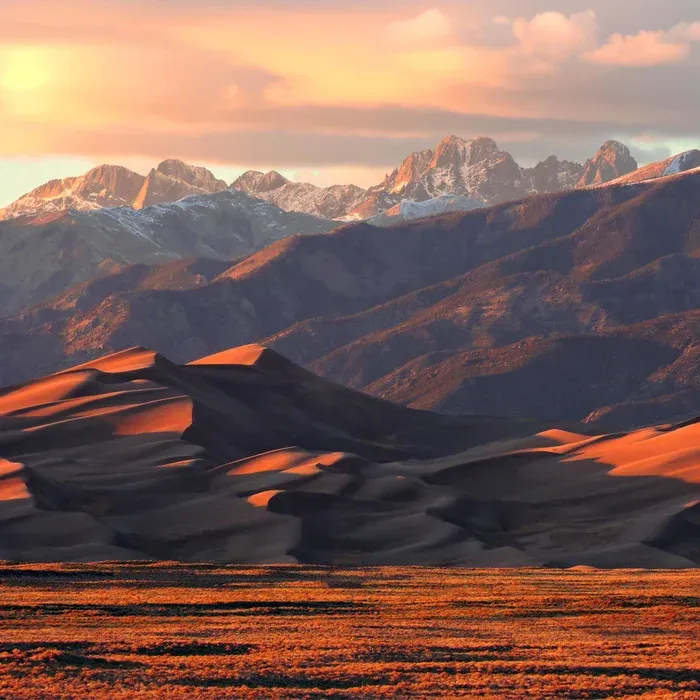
177 631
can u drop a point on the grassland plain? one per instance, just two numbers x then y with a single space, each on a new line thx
204 631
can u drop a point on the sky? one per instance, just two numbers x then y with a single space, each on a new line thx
337 91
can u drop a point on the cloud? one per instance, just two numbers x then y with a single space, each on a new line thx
553 35
643 49
333 83
88 85
685 32
312 136
647 48
427 28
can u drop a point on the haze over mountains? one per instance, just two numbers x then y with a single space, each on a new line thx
475 169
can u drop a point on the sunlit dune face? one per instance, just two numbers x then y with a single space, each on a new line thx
288 460
262 499
304 470
124 361
673 455
277 460
244 355
646 452
12 486
45 391
13 490
170 416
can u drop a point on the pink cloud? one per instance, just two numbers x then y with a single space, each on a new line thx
647 48
205 80
428 27
554 35
686 31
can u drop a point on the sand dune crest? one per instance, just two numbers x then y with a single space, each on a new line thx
245 457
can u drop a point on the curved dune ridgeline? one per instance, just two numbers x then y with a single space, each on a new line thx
244 457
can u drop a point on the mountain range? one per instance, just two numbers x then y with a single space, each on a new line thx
52 254
474 169
82 228
576 305
481 372
113 186
243 457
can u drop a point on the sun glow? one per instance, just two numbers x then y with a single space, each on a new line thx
24 69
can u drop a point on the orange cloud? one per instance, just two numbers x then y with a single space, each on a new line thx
200 79
643 49
647 48
427 28
554 35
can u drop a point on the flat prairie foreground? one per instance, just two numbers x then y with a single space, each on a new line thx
184 631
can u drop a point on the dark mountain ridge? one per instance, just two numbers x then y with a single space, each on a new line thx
386 310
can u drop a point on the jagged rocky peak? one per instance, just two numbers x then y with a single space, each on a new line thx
474 168
477 148
194 175
613 160
409 171
454 151
105 182
173 180
111 176
256 182
248 182
553 175
102 186
271 181
449 151
109 185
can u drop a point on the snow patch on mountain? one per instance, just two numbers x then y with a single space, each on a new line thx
683 162
443 204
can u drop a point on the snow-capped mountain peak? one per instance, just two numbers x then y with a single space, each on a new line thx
473 168
476 169
102 186
675 165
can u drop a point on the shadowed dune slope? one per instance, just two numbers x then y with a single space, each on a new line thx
245 457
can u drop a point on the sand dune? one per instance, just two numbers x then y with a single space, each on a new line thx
245 457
